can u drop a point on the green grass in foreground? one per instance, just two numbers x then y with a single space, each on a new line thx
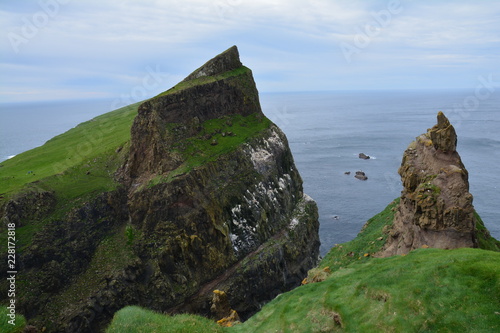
5 327
428 290
133 319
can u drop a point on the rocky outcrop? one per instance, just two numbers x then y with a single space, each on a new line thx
436 207
220 88
227 61
204 224
360 175
363 156
187 217
33 204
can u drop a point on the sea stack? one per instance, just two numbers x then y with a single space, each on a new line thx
436 207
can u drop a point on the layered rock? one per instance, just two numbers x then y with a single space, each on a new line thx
436 207
203 220
220 88
208 198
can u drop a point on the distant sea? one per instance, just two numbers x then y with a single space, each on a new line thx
326 132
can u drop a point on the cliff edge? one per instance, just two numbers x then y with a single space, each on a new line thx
192 190
436 207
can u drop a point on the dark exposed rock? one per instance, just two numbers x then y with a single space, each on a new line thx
360 175
30 329
363 156
31 205
436 207
224 62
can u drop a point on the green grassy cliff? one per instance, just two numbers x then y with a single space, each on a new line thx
157 204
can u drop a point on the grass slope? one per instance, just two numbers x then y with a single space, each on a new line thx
429 290
75 165
72 150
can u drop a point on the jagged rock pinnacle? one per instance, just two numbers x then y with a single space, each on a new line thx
224 62
443 134
189 105
436 207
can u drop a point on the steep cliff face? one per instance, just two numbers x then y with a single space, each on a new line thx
212 182
436 207
207 197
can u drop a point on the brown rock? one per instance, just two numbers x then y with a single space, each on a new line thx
363 156
436 207
360 175
443 134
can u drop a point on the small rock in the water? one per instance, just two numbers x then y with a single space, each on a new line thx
347 173
360 175
363 156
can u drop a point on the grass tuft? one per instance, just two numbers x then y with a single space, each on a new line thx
134 319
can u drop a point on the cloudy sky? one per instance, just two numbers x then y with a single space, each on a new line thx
70 49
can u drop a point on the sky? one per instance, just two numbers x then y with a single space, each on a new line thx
74 49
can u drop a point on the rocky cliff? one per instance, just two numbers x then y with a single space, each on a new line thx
436 207
206 196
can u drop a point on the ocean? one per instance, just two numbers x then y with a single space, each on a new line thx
326 132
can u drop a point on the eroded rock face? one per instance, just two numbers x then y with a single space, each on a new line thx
443 135
31 205
240 223
436 207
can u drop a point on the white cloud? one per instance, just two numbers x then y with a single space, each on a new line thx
291 45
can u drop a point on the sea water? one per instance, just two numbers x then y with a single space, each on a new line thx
24 126
326 132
